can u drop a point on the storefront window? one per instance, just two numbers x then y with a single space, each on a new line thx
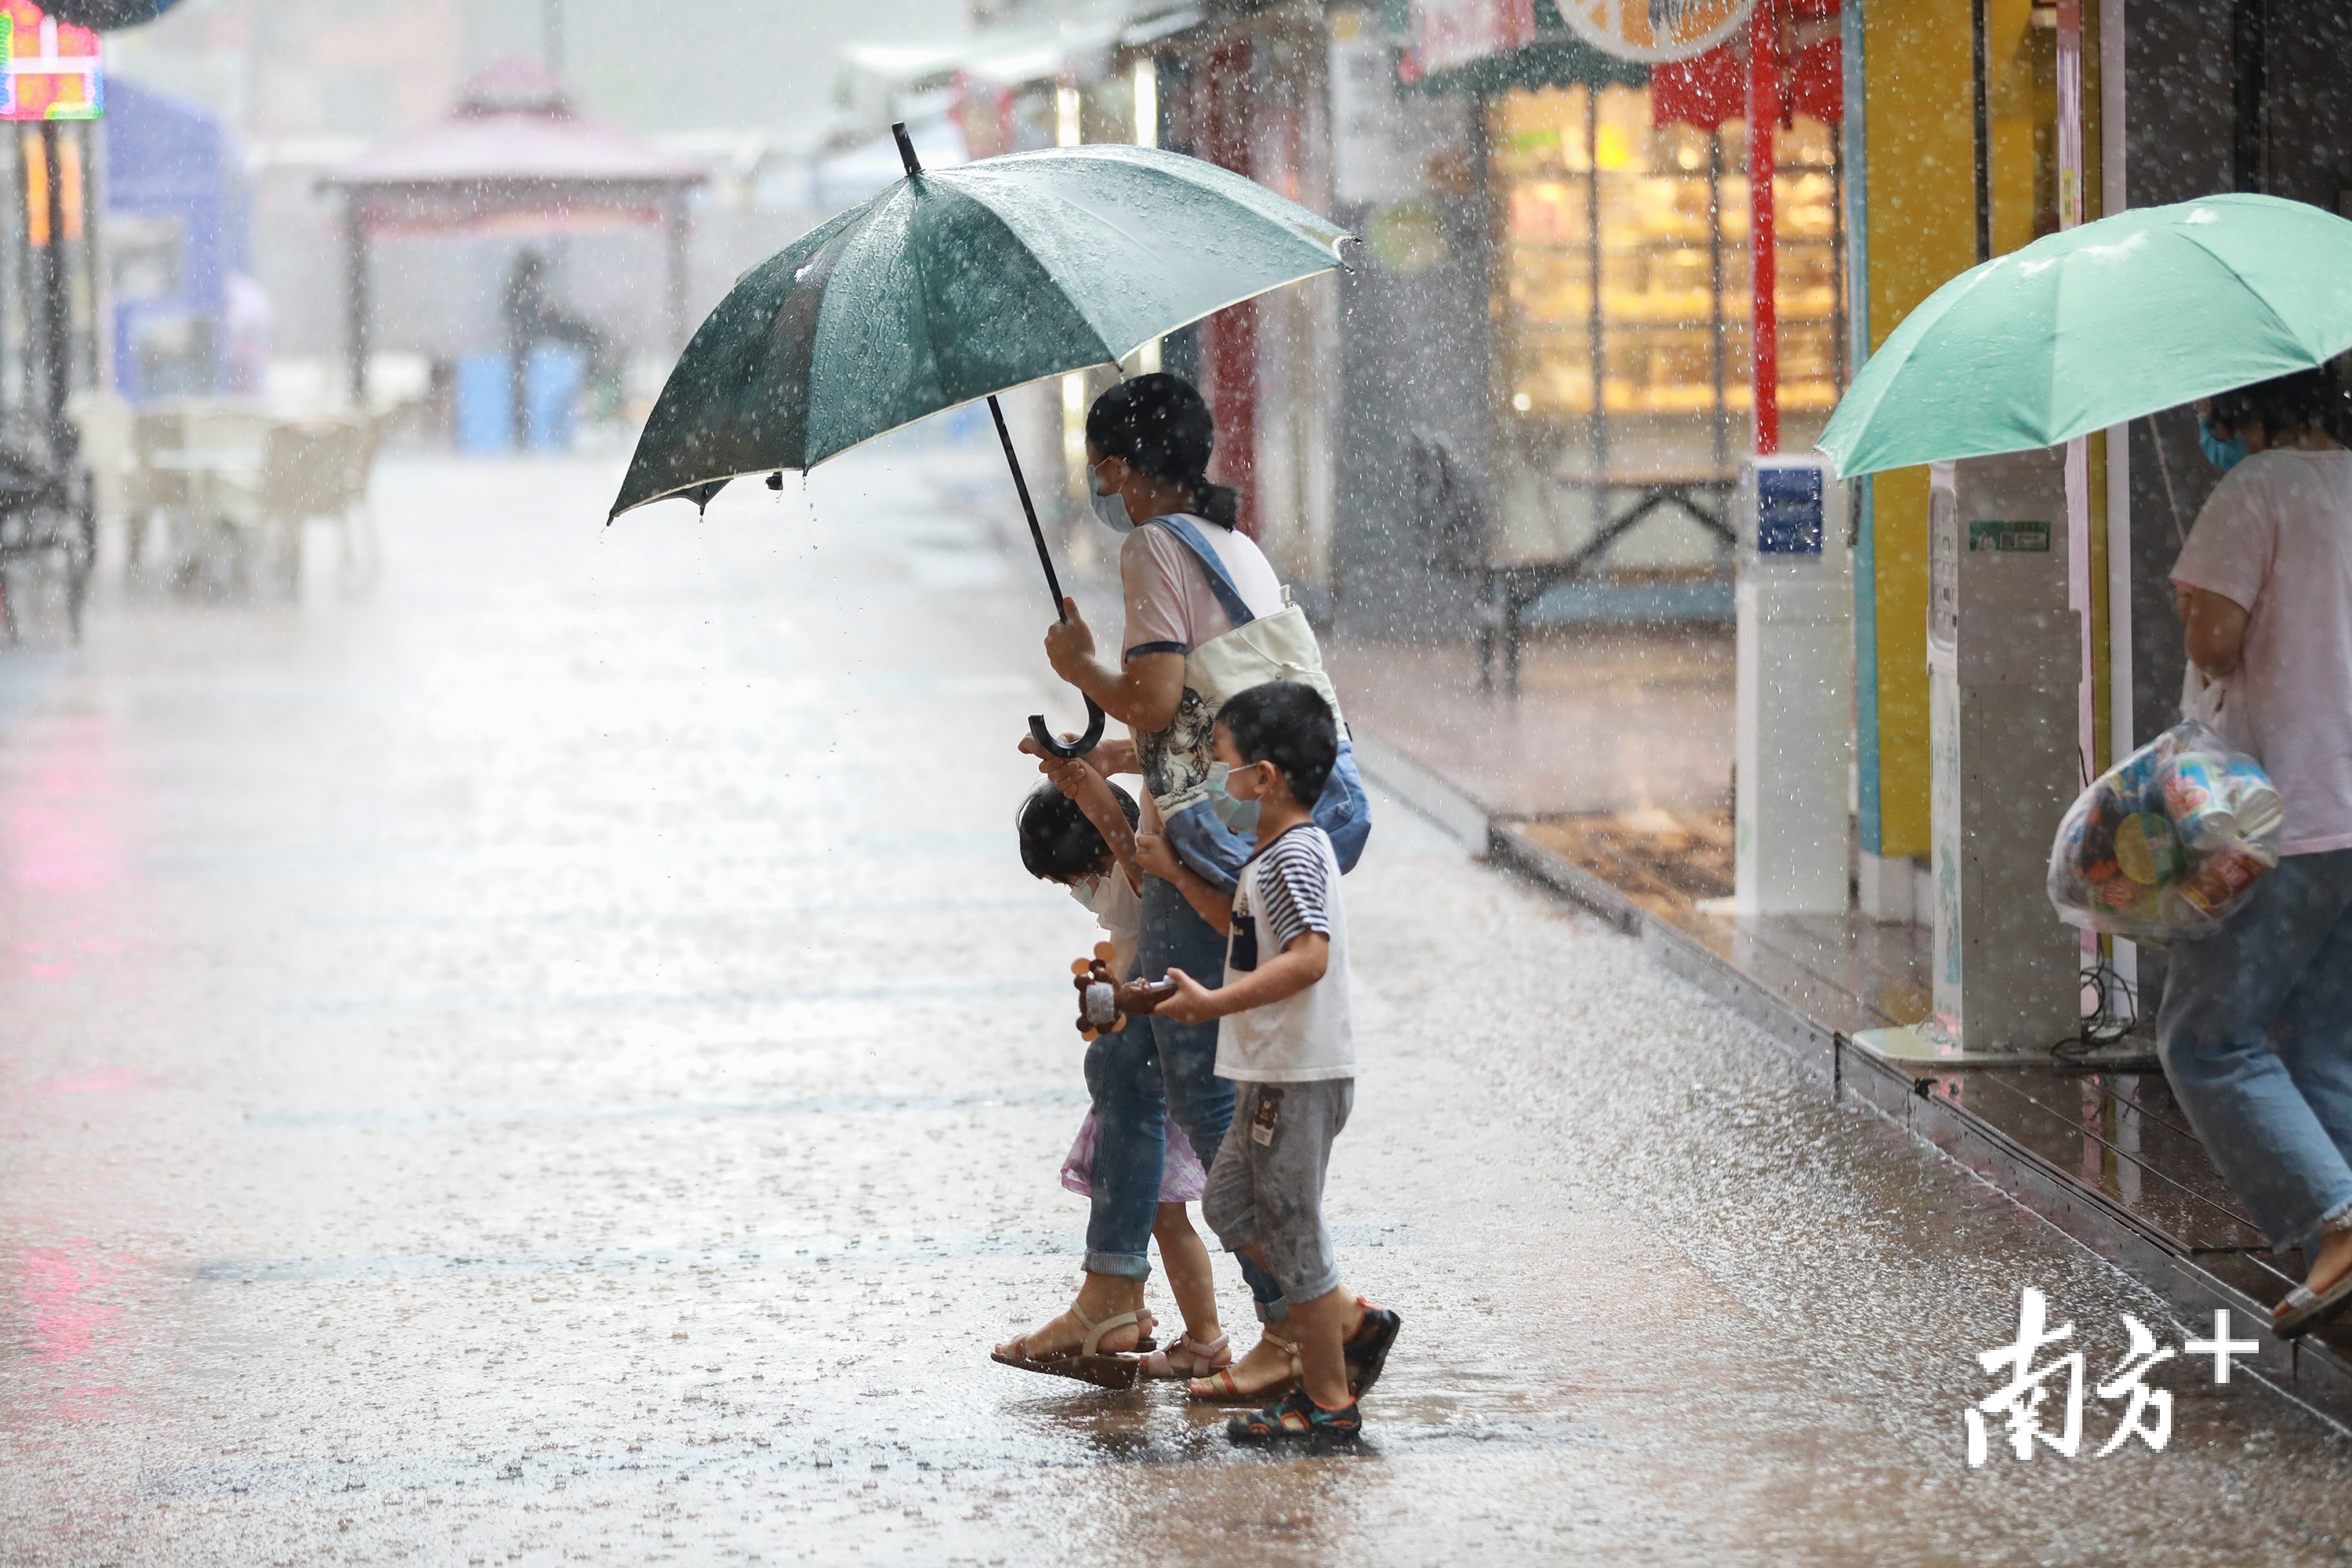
1648 381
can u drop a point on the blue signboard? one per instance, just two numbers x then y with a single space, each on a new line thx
1788 512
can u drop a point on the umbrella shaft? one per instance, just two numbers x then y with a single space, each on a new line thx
1028 506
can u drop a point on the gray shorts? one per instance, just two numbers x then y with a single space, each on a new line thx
1266 1185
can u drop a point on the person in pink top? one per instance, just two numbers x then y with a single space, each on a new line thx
2255 1031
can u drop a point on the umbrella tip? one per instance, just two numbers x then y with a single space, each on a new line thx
776 480
906 149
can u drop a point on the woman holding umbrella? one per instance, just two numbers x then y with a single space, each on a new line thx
1188 577
950 287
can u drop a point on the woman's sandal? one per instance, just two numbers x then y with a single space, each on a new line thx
1089 1363
1223 1390
1200 1359
2302 1310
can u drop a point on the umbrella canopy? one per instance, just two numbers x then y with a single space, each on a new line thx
955 284
2098 325
107 16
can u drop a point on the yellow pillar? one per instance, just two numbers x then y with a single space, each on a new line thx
1919 118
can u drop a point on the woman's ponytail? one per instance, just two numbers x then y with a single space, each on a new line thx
1158 425
1221 504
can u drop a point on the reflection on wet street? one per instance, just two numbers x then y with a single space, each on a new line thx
558 1060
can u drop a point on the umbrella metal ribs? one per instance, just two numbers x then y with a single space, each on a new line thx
950 287
1038 729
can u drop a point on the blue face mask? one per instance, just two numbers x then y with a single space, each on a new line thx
1240 815
2222 455
1111 508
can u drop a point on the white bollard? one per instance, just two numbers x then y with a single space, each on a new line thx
1795 712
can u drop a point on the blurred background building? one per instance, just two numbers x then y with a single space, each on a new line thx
743 92
1522 406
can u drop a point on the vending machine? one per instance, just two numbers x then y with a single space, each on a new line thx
1792 828
2003 664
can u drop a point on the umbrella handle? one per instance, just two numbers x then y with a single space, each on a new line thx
1037 731
1077 748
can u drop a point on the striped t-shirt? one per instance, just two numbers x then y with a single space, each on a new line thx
1288 888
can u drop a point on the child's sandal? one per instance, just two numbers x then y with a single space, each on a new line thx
1223 1390
1199 1359
1368 1349
1298 1419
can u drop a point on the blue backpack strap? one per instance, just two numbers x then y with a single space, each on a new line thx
1220 582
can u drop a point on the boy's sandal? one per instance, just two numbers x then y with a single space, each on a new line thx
1200 1359
1368 1349
1089 1363
1298 1419
1223 1390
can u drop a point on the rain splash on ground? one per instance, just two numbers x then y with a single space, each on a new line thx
557 1060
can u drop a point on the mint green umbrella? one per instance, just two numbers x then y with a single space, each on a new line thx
2098 325
957 284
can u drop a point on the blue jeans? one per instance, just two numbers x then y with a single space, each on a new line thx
2256 1036
1152 1072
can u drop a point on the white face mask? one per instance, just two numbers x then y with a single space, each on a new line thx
1111 508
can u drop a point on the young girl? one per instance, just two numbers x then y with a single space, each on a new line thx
1078 830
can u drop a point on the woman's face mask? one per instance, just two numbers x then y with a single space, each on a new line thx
2222 455
1110 508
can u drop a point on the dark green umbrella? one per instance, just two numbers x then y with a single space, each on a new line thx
957 284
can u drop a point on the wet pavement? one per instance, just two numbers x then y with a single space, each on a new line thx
557 1061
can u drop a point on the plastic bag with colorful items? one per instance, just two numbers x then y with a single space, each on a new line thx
2169 842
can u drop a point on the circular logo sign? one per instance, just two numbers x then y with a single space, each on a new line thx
1653 30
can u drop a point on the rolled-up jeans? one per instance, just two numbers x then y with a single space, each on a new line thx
1152 1072
2256 1036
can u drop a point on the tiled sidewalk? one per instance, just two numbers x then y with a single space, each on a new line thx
1608 779
1605 719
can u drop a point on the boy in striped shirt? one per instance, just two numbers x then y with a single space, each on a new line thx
1284 1041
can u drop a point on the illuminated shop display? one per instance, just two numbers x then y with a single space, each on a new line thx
1663 349
52 68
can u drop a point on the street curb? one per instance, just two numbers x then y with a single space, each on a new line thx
1447 807
1512 847
2311 1376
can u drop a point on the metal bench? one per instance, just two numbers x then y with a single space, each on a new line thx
1459 533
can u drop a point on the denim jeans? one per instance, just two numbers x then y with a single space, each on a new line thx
1151 1072
2256 1036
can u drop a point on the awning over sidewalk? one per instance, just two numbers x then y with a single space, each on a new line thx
1080 46
513 147
1493 46
512 156
1707 89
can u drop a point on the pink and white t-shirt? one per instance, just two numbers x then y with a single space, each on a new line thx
2276 540
1169 606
